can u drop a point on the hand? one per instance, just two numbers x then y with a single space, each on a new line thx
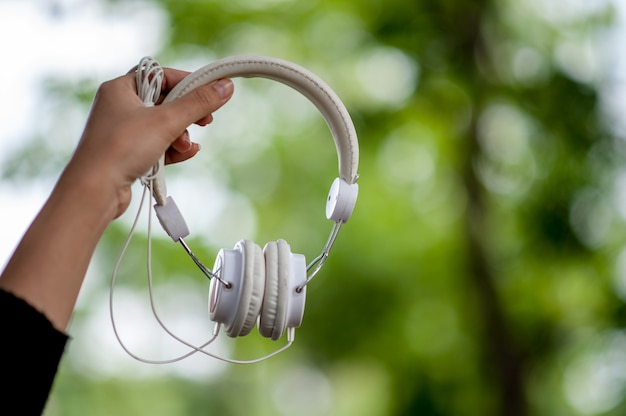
121 141
123 138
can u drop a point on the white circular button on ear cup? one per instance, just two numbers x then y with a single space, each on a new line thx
237 306
341 200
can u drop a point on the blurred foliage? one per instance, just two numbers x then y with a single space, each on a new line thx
481 273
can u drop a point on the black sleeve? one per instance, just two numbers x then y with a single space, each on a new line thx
30 352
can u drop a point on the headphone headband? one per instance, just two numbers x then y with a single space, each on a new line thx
292 75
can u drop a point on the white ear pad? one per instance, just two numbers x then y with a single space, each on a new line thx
272 319
238 305
254 275
285 290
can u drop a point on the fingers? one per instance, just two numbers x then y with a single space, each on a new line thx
173 156
205 120
182 143
181 149
195 106
172 77
170 120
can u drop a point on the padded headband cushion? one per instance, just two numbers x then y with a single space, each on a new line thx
292 75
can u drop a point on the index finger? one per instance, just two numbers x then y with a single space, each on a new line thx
194 106
171 78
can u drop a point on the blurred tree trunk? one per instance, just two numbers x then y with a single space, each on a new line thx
501 352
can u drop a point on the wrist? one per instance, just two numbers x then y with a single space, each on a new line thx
91 197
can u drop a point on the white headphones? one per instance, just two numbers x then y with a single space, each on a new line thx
267 286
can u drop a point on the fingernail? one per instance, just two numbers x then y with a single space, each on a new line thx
224 87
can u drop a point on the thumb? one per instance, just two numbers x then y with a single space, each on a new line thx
197 104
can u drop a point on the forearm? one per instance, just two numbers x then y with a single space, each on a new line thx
121 141
49 264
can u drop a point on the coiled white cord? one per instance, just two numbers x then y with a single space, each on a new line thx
149 77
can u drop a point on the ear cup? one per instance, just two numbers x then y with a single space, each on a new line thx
237 305
273 315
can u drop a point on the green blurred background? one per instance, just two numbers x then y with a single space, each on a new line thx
483 271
